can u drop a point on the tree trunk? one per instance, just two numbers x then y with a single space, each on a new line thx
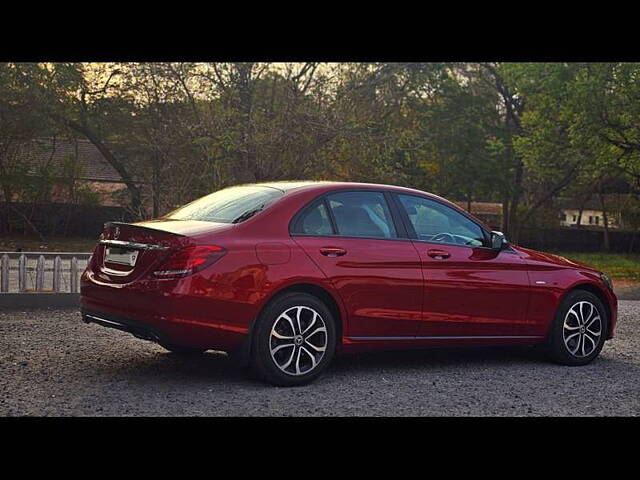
514 108
517 230
156 186
505 216
515 200
605 222
136 196
584 201
245 93
580 215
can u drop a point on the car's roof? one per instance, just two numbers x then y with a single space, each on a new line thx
290 184
304 187
329 185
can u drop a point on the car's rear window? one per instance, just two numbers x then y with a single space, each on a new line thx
230 205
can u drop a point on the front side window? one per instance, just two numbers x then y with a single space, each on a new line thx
362 214
437 223
230 205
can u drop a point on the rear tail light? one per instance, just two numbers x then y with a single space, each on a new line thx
189 260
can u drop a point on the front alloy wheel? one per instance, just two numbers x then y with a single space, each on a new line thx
579 329
582 329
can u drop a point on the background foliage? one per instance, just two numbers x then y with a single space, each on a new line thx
520 134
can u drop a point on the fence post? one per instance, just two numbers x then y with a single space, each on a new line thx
22 273
4 276
57 273
40 273
74 275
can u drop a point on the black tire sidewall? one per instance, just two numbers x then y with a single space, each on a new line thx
261 359
557 349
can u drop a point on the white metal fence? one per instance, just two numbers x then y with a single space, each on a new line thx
23 272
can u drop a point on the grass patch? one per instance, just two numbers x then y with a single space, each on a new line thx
11 243
616 265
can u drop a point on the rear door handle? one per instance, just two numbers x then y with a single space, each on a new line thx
332 251
438 254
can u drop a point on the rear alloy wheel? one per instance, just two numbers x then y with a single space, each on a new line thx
294 340
579 330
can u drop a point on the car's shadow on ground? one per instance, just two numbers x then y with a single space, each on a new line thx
207 367
443 357
216 367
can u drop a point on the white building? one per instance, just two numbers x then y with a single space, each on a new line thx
592 218
592 214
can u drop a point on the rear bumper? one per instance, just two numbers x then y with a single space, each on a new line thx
135 327
171 311
172 325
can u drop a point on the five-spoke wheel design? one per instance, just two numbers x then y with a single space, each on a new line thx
582 329
298 340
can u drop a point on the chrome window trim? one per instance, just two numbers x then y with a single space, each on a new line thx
401 233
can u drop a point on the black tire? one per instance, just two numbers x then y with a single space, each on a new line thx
558 350
265 364
182 351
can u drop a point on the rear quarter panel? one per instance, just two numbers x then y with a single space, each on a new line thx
262 260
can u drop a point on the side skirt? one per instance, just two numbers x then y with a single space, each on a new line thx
465 337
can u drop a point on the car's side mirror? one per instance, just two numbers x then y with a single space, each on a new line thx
498 241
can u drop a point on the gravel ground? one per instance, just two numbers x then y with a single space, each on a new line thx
52 364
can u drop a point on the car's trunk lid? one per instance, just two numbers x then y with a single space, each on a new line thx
128 251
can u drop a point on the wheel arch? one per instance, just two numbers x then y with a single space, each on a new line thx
319 292
242 354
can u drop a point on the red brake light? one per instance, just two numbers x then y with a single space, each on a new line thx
189 260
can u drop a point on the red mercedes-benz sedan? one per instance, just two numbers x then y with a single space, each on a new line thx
284 275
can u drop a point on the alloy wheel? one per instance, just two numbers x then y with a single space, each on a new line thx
298 340
582 329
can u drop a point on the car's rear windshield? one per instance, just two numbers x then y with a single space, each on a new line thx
230 205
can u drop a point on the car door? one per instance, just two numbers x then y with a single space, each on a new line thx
470 289
363 251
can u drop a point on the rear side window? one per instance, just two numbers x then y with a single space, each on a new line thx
230 205
362 214
315 222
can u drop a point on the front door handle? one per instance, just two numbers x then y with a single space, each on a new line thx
438 254
332 251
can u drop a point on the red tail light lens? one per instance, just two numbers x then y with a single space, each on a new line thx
189 260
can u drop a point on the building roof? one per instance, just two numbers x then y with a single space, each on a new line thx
612 201
55 152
